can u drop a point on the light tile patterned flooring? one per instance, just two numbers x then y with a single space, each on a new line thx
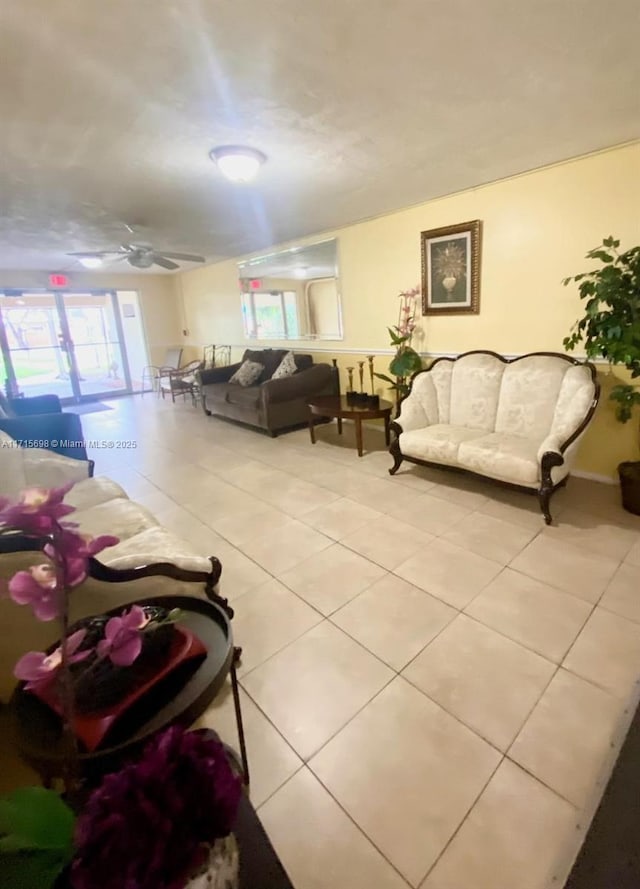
434 684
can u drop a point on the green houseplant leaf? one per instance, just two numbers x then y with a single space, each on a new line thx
36 837
610 326
393 384
397 339
405 363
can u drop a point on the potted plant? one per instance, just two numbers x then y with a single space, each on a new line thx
406 361
610 329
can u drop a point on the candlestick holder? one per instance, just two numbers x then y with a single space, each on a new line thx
350 392
373 400
370 360
336 373
360 398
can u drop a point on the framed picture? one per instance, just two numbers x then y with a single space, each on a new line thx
451 269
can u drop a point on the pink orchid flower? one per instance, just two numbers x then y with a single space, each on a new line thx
123 638
38 669
75 550
37 587
38 510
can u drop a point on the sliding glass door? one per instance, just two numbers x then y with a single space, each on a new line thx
68 344
35 360
93 336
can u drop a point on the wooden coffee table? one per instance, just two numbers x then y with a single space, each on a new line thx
337 406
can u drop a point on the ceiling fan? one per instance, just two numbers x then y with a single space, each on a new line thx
140 256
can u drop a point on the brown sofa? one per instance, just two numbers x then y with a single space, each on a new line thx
272 405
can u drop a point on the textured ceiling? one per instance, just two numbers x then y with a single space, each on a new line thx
109 110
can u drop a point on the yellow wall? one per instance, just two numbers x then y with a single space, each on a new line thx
537 228
158 300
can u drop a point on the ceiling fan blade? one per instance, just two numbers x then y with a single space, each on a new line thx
164 262
97 253
187 257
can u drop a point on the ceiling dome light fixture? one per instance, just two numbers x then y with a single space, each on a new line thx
90 262
237 162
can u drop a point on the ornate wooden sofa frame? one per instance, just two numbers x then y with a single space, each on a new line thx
527 445
12 542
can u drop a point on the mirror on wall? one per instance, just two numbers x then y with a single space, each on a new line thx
292 294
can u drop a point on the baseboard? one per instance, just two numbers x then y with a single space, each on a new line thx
594 477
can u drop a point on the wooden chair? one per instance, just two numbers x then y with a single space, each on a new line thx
182 382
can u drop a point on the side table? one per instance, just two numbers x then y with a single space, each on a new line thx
337 406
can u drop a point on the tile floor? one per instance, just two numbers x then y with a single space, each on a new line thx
435 684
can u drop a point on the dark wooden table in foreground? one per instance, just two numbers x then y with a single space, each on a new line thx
260 867
337 406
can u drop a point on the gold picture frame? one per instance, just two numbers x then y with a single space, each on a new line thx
451 269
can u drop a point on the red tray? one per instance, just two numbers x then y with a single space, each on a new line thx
92 728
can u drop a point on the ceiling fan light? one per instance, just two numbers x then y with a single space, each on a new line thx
141 260
238 163
90 262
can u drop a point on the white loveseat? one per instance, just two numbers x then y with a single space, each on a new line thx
148 561
515 420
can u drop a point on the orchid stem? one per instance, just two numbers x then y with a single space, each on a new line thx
71 769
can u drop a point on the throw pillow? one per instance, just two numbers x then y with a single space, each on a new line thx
286 368
247 373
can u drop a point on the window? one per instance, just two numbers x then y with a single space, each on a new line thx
271 314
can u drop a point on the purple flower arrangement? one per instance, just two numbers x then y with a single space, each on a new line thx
150 825
97 653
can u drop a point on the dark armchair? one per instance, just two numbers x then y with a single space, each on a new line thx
39 422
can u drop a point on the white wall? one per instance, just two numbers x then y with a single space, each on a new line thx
134 336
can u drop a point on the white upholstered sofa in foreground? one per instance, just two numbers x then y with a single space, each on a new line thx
148 561
516 420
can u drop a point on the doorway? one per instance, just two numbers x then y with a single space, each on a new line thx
64 343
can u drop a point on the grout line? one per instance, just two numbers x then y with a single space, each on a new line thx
174 451
360 830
